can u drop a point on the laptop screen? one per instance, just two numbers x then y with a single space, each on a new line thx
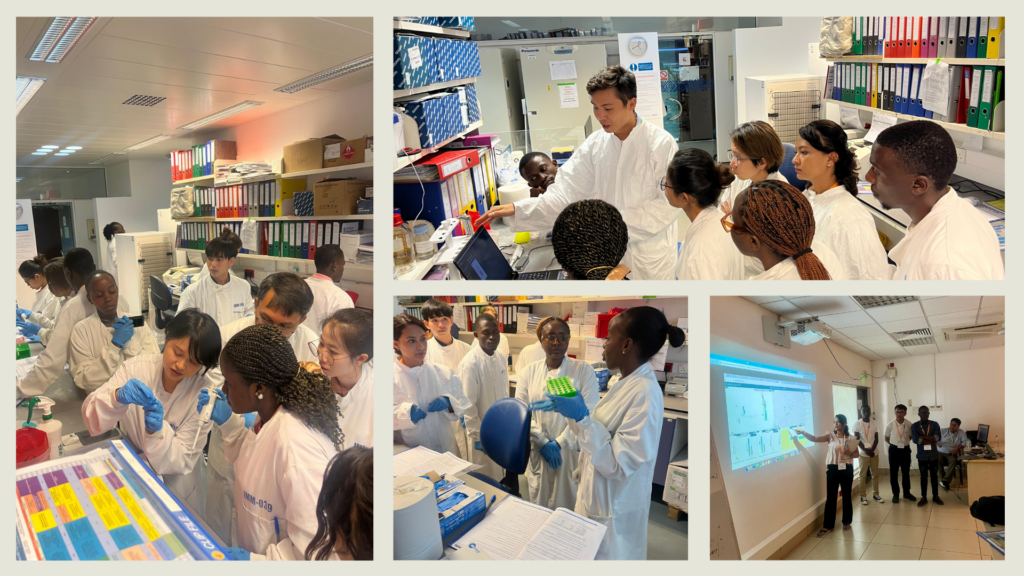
481 259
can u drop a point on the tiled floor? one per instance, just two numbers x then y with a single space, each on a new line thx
902 532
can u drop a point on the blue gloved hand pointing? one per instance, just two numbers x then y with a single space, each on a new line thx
123 331
572 407
238 553
417 414
440 404
136 392
221 409
28 328
552 454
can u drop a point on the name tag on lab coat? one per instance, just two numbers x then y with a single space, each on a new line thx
927 446
900 445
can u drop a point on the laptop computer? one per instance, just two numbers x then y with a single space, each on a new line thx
481 259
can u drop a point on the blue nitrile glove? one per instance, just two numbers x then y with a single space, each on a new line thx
478 446
552 454
221 410
417 414
250 419
440 404
572 407
28 328
238 553
22 312
154 416
544 405
463 420
123 331
136 392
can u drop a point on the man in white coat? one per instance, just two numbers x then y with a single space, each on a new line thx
283 301
484 376
221 295
622 165
948 239
443 349
328 297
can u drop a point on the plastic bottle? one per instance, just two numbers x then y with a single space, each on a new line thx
402 238
52 428
421 233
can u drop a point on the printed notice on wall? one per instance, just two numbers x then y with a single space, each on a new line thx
563 70
24 236
638 53
568 96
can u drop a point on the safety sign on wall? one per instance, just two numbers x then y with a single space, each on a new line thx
638 53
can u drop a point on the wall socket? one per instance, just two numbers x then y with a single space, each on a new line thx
961 155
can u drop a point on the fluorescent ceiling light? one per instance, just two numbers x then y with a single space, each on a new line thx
69 151
39 153
236 109
44 150
73 147
62 35
25 88
60 154
105 158
50 146
149 142
329 74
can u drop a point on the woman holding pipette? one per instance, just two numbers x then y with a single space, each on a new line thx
153 397
618 440
552 461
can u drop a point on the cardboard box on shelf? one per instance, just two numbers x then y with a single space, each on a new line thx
338 197
345 152
307 154
350 243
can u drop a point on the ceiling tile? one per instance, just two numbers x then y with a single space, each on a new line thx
904 325
888 353
988 342
897 312
922 350
949 304
930 297
869 340
861 331
953 346
837 335
954 319
784 308
763 299
989 301
822 305
994 314
847 319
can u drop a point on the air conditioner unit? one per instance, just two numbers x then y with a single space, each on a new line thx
807 331
787 102
973 331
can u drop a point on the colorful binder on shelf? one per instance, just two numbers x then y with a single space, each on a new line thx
933 36
974 106
982 37
952 26
996 24
972 37
858 39
916 107
962 35
964 100
887 45
915 49
987 91
940 49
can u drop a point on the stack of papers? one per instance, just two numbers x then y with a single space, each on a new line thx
364 255
238 172
421 460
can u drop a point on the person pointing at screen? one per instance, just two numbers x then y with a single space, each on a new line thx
842 451
622 165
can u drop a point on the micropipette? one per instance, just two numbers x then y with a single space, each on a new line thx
204 416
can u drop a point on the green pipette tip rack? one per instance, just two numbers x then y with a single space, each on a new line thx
561 387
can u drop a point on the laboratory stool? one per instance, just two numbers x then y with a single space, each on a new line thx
505 437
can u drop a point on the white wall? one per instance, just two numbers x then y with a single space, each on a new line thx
119 180
969 385
85 210
771 51
765 501
149 190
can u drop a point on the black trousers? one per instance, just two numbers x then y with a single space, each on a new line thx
899 462
929 468
836 479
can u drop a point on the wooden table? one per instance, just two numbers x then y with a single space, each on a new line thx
985 478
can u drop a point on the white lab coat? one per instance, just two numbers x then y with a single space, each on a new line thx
45 309
449 356
94 358
708 250
169 451
528 355
503 348
112 258
953 242
421 386
328 298
550 487
843 223
279 473
618 449
50 364
356 419
484 381
625 174
220 475
787 270
225 303
729 194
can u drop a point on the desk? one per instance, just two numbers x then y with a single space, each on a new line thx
985 478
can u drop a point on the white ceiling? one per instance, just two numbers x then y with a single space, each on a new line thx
200 65
868 331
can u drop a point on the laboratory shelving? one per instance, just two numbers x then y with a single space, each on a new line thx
950 61
404 161
366 167
549 301
348 265
947 125
424 30
280 218
431 87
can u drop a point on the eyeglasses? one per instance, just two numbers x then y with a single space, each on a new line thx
733 156
664 184
317 346
554 337
729 226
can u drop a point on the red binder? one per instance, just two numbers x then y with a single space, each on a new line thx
889 36
313 234
451 162
965 97
264 233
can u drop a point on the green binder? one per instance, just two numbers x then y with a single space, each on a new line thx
974 103
987 90
858 35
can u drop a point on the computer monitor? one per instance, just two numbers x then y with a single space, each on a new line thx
982 433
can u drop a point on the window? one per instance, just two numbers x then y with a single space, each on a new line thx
844 401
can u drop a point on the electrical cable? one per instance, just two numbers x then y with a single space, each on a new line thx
825 340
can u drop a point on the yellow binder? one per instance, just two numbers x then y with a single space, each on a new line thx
995 35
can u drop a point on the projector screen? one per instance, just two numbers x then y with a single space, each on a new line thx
764 405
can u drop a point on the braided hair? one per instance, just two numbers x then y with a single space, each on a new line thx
589 239
827 137
261 354
780 216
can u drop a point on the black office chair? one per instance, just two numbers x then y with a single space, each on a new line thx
160 295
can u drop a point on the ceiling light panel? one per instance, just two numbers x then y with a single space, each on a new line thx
105 158
326 75
216 116
149 142
879 301
62 35
25 87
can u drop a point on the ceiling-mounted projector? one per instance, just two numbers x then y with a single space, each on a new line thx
806 331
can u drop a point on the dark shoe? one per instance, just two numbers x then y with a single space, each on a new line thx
863 500
910 497
878 499
895 499
936 500
922 502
